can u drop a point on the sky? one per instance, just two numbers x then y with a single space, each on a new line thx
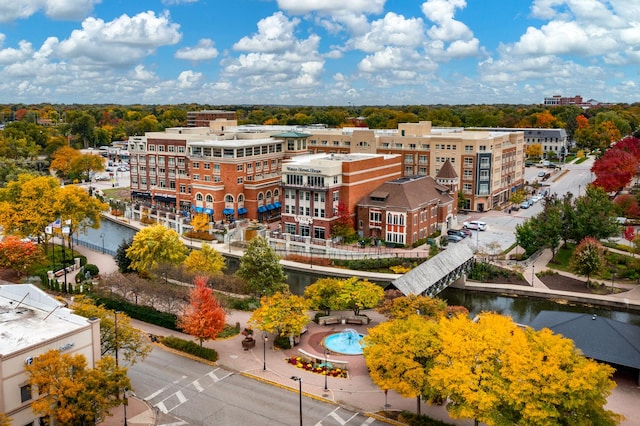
318 52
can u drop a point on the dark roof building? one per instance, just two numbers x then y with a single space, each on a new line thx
599 338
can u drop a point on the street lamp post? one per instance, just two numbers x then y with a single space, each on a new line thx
115 334
299 380
65 232
265 337
613 277
102 238
326 370
125 402
533 273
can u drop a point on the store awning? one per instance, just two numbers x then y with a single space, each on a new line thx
262 209
277 204
208 211
270 207
242 210
227 211
198 209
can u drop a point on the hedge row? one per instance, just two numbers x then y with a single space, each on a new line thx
139 312
190 347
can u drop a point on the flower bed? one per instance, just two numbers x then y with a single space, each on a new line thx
318 368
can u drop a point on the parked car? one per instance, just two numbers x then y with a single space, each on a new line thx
465 231
541 174
525 204
476 225
456 232
454 238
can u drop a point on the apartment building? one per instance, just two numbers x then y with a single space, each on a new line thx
490 164
314 185
551 140
408 209
32 323
226 176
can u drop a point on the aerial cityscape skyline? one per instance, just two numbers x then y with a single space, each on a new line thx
376 52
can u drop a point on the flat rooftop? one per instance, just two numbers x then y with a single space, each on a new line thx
29 316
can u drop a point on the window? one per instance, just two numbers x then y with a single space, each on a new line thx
25 393
209 198
484 174
290 228
172 148
240 167
216 168
228 198
199 197
207 166
318 233
468 161
183 189
181 149
160 148
239 180
305 231
195 165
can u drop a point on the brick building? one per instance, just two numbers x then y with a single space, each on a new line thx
314 185
203 117
408 209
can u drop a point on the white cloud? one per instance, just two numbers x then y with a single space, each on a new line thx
10 55
172 2
55 9
394 30
203 51
449 38
332 7
275 34
189 79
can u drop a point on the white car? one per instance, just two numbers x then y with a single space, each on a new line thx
475 225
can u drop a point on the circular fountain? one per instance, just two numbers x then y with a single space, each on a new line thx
346 342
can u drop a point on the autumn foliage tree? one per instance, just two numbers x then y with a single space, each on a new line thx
204 318
18 255
71 393
155 245
283 313
588 258
324 295
207 261
614 170
360 294
343 225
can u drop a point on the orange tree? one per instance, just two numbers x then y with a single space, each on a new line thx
70 393
204 317
18 255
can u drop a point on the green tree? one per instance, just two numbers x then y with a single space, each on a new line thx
155 245
84 127
204 318
357 295
206 261
282 313
116 332
399 354
588 258
548 225
85 164
122 260
72 394
594 216
260 267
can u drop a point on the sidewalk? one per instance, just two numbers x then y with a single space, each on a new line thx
357 392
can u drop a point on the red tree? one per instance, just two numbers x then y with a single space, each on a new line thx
628 205
629 144
629 233
614 170
204 318
17 254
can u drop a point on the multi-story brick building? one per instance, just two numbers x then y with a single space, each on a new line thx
203 117
490 164
192 170
314 185
408 209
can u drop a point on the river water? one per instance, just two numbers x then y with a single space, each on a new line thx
521 309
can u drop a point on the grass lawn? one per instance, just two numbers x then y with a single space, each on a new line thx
624 266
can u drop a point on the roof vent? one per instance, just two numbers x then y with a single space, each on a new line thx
594 317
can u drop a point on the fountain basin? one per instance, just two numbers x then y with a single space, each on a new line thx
346 342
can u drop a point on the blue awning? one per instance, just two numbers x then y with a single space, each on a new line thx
198 209
208 211
242 210
277 204
270 207
262 209
228 211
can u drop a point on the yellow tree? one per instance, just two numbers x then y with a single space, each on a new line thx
534 150
116 332
324 295
206 261
80 210
357 295
27 205
398 354
405 306
155 245
5 420
62 158
282 313
86 163
70 393
200 222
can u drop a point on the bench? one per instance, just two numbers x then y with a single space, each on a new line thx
328 320
352 320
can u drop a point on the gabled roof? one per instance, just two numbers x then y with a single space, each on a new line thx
428 273
599 338
447 171
407 193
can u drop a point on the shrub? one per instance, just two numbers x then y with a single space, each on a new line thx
229 331
199 235
139 312
413 419
282 342
190 347
91 269
147 220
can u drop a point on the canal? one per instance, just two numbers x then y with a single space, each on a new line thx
521 309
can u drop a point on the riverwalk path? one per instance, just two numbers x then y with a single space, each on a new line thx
357 392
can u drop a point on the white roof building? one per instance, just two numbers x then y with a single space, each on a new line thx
32 323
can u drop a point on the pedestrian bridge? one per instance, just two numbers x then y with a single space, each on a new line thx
439 272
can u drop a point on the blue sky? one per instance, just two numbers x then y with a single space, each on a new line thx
318 52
